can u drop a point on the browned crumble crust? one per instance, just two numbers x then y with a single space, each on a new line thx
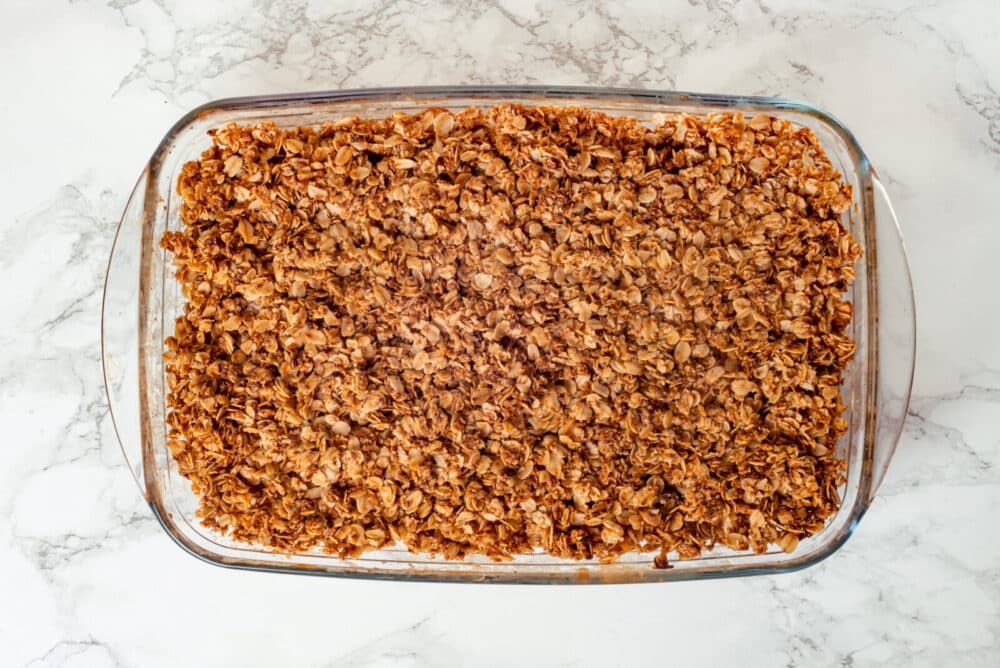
512 329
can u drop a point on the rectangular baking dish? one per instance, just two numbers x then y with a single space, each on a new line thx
142 299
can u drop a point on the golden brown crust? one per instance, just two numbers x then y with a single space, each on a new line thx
510 329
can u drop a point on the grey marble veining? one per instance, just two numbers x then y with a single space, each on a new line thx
88 579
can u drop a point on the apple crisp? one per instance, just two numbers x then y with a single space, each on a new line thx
512 330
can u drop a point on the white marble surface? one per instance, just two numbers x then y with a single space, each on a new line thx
87 578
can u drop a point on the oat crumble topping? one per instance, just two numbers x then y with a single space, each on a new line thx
512 329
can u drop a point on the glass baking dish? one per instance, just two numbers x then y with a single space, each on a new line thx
142 299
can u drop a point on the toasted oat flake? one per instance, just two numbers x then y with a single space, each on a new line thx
511 329
482 281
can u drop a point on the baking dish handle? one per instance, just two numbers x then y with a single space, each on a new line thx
896 332
120 332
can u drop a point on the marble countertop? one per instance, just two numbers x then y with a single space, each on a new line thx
87 577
